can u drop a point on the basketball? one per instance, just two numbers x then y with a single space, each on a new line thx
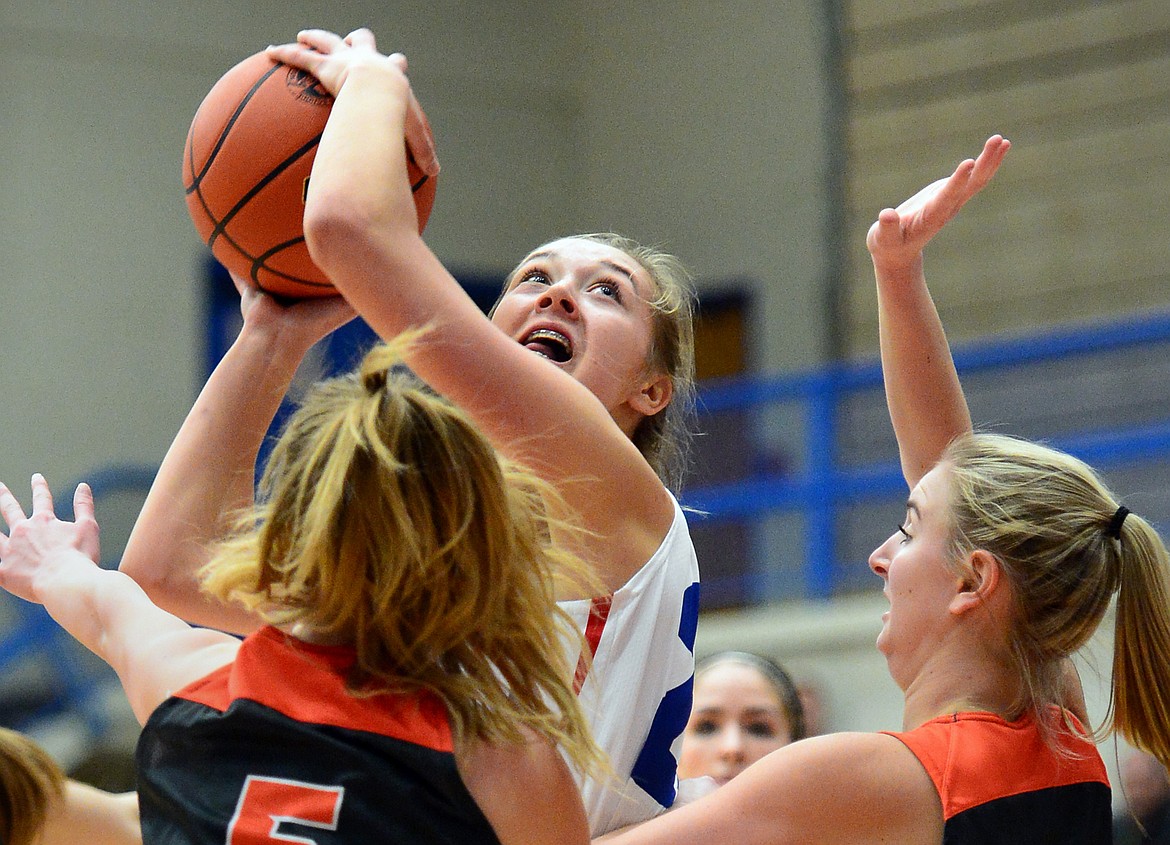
246 166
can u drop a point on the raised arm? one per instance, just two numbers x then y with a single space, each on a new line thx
360 224
926 401
50 562
209 470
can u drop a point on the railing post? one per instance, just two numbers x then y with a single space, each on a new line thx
821 513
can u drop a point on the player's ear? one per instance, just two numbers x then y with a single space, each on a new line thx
653 395
982 583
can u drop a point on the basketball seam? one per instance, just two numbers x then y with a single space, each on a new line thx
220 236
196 178
258 263
259 186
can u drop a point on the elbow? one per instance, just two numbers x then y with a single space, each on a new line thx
161 585
347 233
333 224
139 570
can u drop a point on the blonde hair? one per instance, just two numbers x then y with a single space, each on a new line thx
30 782
1048 519
664 439
389 522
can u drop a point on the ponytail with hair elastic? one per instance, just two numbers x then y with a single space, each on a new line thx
1113 529
1066 546
1140 700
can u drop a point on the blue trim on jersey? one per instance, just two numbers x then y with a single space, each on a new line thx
688 623
656 768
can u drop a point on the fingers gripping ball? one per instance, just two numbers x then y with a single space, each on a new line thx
246 168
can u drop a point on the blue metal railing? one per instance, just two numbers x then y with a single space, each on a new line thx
824 487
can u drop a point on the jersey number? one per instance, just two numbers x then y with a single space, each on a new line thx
267 803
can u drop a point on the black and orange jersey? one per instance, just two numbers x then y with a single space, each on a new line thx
273 748
999 782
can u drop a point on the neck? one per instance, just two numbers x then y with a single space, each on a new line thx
968 684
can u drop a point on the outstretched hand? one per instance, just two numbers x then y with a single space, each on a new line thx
900 234
39 542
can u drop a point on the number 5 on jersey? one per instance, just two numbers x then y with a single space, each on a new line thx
267 803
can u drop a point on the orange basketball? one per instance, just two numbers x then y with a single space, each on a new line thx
246 169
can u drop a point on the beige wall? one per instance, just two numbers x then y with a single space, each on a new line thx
1075 226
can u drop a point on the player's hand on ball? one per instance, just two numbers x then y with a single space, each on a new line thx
309 319
329 57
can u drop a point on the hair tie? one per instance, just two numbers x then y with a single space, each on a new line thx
1113 529
375 380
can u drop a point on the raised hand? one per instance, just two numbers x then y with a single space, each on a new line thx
40 542
898 237
303 322
329 57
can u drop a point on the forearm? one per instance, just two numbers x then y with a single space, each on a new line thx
925 399
104 610
359 191
207 476
152 651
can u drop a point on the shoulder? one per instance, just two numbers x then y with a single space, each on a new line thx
864 762
495 773
670 556
632 549
157 667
